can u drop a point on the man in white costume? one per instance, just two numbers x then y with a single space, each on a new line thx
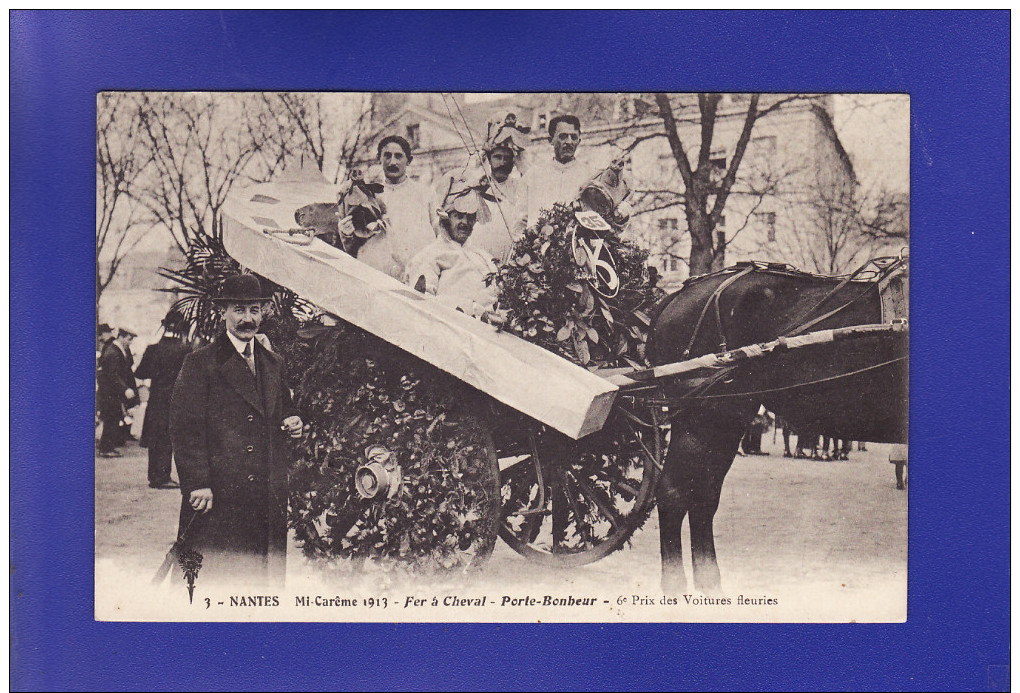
556 180
505 141
447 268
406 213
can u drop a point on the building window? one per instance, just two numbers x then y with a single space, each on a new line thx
668 224
717 168
766 221
722 221
413 132
541 121
764 146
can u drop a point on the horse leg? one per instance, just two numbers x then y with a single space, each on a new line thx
721 438
671 503
703 506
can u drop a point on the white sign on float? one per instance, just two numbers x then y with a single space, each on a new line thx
521 375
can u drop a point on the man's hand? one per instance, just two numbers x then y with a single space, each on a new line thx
346 226
292 425
201 500
129 393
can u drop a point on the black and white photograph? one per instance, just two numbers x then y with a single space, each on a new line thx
502 357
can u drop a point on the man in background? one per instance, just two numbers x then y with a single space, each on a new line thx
556 180
160 364
406 213
505 142
116 390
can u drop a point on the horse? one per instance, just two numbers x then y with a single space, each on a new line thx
853 389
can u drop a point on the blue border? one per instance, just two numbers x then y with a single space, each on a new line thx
955 67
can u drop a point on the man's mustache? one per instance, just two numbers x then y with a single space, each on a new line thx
246 326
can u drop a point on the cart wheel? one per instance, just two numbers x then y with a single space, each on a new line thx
435 514
569 503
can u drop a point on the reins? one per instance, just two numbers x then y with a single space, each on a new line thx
795 386
801 326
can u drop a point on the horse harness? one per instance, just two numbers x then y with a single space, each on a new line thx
884 266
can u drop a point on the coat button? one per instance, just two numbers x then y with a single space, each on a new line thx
251 417
251 448
251 477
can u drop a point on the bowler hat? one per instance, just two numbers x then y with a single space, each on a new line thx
125 332
102 328
242 288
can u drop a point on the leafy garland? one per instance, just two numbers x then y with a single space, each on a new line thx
357 391
544 289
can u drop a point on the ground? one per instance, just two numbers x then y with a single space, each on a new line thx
829 539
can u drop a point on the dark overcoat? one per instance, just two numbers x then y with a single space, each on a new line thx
225 429
161 363
114 379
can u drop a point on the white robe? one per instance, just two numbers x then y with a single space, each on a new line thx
546 184
496 236
408 229
455 275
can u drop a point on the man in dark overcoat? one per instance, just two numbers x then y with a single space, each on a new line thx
116 388
230 416
160 364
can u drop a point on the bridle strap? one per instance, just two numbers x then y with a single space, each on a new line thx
714 300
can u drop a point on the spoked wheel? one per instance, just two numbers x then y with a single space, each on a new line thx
569 503
434 511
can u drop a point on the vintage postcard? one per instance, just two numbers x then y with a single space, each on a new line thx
514 357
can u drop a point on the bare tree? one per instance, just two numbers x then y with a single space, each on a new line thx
318 128
843 227
119 161
199 146
708 185
695 179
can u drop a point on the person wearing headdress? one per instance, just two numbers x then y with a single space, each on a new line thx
405 210
161 363
558 179
116 390
505 141
448 268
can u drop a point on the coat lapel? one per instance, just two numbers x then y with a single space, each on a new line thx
267 365
235 371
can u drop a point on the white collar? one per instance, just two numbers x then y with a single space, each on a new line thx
240 345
